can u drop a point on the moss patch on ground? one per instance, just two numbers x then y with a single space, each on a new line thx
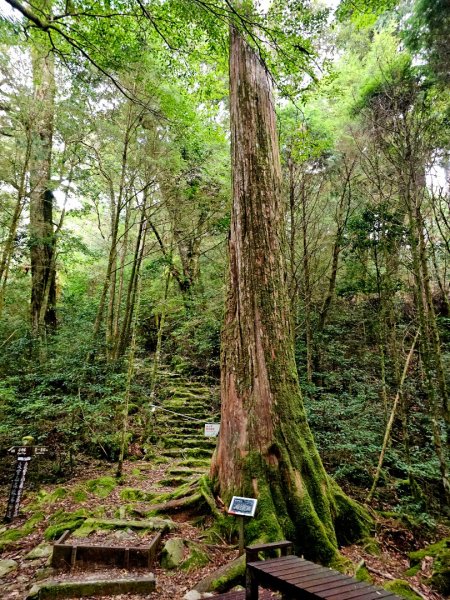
102 486
402 588
440 553
9 536
62 521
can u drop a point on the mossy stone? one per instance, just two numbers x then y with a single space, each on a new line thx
7 565
40 551
44 497
172 554
402 588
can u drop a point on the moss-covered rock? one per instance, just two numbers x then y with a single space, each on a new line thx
183 554
40 551
401 588
6 566
44 497
172 554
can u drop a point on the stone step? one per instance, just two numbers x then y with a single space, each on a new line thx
187 452
86 587
194 429
176 481
187 442
194 410
188 470
195 463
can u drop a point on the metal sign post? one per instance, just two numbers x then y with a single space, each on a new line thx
242 507
24 454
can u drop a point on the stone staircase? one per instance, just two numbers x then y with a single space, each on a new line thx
180 432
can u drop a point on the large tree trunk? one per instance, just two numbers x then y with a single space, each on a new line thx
266 448
41 196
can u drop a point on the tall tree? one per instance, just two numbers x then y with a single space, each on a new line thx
43 286
266 448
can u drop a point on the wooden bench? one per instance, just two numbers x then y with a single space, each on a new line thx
301 579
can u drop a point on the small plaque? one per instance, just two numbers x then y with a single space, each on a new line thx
21 450
244 507
40 450
212 429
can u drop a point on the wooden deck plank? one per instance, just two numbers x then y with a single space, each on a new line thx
354 590
327 583
306 580
361 594
287 567
325 590
275 561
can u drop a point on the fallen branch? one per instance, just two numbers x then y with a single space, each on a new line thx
392 578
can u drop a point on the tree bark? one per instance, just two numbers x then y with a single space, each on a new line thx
265 447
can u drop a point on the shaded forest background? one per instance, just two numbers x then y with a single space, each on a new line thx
122 276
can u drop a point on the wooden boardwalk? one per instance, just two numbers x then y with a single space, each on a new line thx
303 580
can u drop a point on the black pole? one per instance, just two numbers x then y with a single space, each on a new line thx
15 494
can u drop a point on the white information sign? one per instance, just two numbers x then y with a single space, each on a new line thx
244 507
212 429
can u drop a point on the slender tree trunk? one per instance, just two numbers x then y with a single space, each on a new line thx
41 195
119 294
161 323
390 422
8 249
132 286
426 338
307 295
265 447
130 374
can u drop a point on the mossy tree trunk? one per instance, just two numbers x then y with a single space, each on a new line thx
42 247
266 449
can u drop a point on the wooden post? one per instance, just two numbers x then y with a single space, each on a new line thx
251 586
241 535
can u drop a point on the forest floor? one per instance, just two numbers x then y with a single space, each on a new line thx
394 541
180 456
